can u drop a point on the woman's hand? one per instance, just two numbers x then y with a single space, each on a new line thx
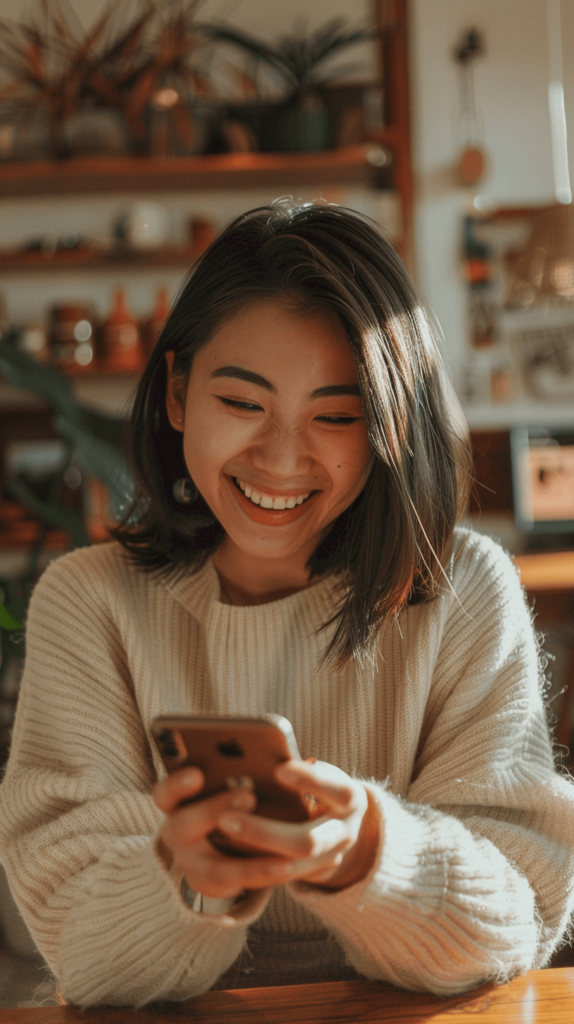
183 842
334 850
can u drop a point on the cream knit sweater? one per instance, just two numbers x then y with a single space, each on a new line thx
473 879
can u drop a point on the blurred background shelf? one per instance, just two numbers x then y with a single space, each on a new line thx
84 258
99 371
351 165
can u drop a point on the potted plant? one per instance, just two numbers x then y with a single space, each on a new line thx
301 62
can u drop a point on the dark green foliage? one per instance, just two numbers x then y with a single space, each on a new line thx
94 442
300 58
93 438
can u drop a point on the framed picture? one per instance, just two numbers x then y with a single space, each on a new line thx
542 461
518 347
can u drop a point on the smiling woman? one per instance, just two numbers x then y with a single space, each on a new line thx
293 549
300 336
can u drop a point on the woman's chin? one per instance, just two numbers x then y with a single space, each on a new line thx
270 544
269 549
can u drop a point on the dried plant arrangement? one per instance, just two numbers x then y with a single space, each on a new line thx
128 64
150 67
43 61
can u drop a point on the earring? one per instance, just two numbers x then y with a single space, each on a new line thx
184 490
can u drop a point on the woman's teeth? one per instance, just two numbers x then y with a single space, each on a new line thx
266 501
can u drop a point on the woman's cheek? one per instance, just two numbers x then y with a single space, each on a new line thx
211 441
349 457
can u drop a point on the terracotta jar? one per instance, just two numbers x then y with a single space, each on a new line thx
202 233
120 337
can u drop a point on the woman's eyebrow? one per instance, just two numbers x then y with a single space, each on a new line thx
329 391
334 390
240 374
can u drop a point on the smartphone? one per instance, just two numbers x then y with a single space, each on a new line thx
233 752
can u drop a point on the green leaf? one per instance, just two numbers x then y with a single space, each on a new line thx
297 57
254 47
95 439
108 428
7 621
101 458
24 372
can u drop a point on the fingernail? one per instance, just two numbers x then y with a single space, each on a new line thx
230 824
189 779
243 800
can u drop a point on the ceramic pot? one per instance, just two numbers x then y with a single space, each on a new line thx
290 128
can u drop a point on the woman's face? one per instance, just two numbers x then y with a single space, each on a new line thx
273 430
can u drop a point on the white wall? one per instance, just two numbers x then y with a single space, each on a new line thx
511 84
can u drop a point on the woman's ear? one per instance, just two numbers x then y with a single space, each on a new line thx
175 395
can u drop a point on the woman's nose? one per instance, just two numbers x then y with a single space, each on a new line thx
283 451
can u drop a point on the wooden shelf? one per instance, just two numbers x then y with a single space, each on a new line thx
23 536
352 165
85 258
98 369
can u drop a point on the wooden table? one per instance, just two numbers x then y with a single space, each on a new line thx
539 997
549 580
551 570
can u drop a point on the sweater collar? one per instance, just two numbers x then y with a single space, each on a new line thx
199 592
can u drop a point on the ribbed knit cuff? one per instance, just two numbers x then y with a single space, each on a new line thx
132 939
440 911
244 910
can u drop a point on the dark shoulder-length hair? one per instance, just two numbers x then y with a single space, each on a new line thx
390 544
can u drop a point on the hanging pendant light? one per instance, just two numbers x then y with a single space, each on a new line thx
472 161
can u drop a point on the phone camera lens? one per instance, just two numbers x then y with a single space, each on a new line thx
167 743
230 748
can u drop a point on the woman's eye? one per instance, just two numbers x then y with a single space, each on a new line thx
245 406
338 420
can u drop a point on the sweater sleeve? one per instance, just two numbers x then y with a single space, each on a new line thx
78 823
473 879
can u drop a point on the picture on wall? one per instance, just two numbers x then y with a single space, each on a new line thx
519 269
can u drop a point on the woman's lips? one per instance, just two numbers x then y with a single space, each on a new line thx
270 516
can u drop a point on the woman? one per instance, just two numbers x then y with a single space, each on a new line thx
293 550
